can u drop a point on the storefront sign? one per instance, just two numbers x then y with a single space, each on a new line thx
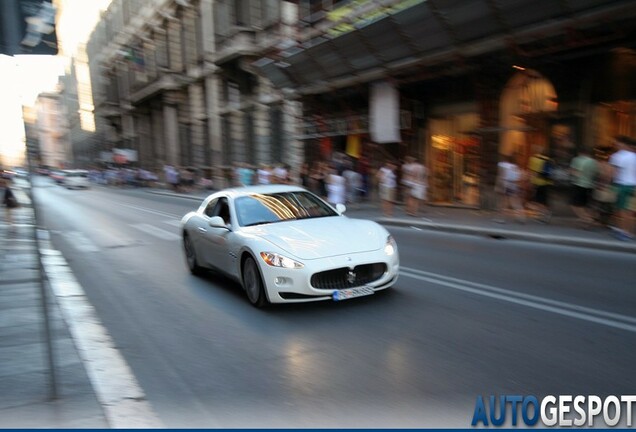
338 125
360 13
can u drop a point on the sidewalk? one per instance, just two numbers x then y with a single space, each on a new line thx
560 231
25 399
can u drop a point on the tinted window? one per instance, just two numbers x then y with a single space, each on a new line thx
260 209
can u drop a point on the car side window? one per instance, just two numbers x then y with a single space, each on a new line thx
209 209
223 209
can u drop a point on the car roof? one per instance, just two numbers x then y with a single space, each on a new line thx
261 189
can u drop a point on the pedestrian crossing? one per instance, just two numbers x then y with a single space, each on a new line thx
83 243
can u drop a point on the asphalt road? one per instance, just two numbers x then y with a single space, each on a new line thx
469 316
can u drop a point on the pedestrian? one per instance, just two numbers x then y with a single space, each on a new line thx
354 182
9 201
414 178
336 187
604 194
624 177
264 174
540 167
387 182
281 174
172 177
245 174
507 188
303 174
583 171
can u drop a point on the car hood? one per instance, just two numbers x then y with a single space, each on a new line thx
323 237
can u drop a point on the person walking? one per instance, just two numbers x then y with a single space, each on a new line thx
336 187
540 167
387 182
264 174
583 170
415 180
624 164
507 187
604 195
9 201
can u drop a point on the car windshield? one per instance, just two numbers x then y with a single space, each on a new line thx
258 209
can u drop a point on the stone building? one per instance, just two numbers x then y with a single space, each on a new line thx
173 80
52 131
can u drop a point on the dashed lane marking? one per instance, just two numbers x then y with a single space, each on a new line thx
157 232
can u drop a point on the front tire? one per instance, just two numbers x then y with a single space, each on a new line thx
253 284
191 256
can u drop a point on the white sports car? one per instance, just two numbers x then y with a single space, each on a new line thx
285 244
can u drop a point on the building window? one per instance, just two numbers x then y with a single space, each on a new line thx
271 12
249 137
276 133
226 137
161 49
185 142
232 95
242 12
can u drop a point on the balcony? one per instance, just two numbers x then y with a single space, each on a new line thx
241 43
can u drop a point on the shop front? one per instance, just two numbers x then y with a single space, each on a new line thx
453 155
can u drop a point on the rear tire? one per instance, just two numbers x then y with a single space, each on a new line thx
253 284
191 256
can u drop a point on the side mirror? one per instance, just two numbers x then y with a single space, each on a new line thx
341 208
217 222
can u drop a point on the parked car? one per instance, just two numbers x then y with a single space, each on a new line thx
284 244
57 176
77 178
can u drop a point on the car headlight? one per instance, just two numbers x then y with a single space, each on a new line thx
390 247
277 260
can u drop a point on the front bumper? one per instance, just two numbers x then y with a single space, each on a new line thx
294 285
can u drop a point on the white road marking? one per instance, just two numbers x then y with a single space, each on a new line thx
80 241
157 232
156 212
597 316
123 400
173 222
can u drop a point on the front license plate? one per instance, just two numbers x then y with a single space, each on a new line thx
349 293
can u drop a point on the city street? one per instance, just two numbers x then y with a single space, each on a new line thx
468 316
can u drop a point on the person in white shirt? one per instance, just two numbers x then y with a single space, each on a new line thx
280 174
264 175
508 190
387 183
624 163
336 187
415 181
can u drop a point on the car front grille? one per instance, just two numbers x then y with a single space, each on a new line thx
345 277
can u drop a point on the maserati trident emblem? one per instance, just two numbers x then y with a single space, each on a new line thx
351 276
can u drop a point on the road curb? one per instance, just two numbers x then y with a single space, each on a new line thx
513 235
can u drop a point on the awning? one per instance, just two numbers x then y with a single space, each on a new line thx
430 32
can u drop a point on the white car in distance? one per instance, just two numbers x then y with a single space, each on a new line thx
284 244
76 178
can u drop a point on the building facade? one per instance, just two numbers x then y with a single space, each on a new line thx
173 81
472 81
52 131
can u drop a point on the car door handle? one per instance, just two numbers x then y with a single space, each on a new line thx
203 230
